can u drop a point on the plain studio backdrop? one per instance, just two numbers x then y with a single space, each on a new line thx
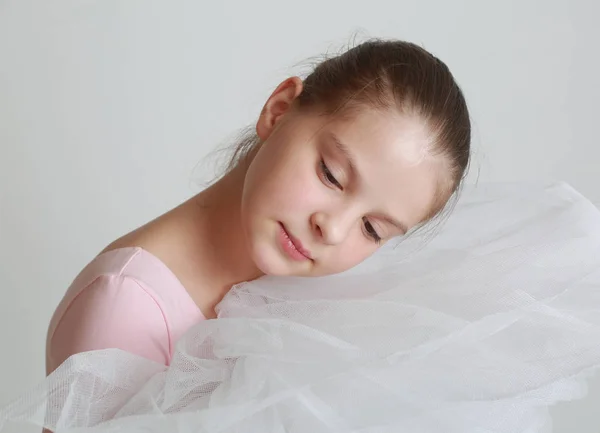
109 107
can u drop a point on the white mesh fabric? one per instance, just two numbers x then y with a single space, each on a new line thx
493 320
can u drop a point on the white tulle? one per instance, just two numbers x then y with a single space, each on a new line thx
478 329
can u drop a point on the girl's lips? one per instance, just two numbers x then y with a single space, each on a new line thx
292 246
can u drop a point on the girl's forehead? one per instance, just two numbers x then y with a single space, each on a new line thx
378 134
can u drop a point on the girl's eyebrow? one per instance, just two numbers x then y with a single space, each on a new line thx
345 151
400 226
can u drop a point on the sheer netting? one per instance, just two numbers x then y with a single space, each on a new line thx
479 328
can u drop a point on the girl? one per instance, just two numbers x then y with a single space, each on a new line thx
372 144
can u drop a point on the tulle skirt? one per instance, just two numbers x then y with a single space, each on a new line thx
479 327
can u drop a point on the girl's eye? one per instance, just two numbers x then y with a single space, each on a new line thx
328 176
371 232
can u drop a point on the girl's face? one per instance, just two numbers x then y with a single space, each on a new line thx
322 194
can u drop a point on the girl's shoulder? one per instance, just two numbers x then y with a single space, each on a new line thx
125 298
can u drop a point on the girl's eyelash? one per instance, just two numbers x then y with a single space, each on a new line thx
371 232
328 176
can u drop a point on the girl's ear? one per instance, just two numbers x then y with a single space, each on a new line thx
277 105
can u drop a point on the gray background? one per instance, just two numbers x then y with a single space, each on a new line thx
108 108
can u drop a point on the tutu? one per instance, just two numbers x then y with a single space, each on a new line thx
479 328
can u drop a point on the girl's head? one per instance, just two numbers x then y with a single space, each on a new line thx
373 143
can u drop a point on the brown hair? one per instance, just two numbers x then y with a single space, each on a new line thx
386 74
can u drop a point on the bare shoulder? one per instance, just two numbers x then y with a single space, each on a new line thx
175 238
136 238
149 236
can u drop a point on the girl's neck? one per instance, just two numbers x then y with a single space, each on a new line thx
217 245
201 242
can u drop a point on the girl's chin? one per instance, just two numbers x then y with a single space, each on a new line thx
270 260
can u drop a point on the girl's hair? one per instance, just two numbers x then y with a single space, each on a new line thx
390 74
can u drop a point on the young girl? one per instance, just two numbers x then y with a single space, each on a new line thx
493 322
372 144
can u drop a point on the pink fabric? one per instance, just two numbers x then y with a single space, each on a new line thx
126 299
